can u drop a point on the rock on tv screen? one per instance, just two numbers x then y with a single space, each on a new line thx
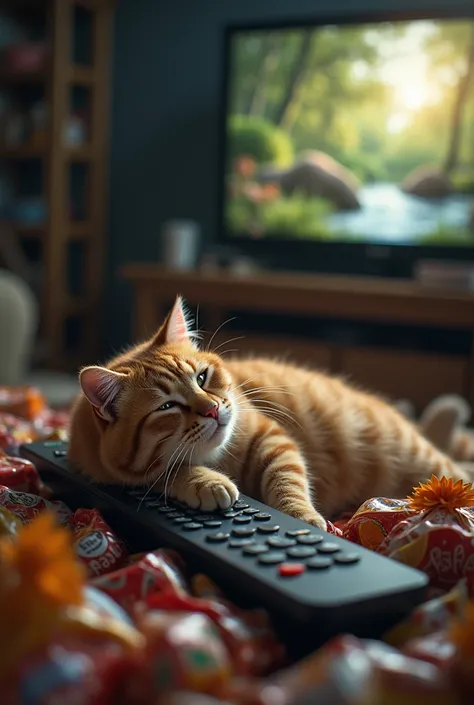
353 133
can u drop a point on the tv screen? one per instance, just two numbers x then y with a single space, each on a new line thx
360 132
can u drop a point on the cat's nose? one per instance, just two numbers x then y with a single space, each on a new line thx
211 411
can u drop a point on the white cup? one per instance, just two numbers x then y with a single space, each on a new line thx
180 240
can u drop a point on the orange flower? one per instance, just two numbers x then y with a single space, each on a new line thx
444 492
43 561
40 578
270 192
245 166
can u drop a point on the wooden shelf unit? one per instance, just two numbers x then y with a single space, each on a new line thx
392 371
59 78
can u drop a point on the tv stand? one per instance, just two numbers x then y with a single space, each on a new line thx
390 370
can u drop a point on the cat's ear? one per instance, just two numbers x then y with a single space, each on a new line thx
101 387
175 329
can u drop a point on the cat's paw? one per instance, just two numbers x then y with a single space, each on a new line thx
311 516
206 489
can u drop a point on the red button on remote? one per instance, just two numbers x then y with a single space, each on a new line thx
288 570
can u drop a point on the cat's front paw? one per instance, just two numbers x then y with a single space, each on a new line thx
206 489
311 516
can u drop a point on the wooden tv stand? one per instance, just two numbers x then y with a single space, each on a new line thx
397 373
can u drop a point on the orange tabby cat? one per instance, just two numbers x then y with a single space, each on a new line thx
183 421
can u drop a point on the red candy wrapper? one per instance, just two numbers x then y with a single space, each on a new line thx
96 544
438 538
374 520
185 652
251 642
155 572
74 670
27 506
19 475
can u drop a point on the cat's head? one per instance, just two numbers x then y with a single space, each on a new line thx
162 405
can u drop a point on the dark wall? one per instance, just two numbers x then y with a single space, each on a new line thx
165 110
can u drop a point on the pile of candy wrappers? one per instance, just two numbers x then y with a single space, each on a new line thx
86 623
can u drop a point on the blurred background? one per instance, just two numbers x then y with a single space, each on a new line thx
292 170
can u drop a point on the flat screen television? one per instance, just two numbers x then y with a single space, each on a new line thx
348 146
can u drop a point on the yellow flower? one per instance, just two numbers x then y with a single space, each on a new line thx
444 492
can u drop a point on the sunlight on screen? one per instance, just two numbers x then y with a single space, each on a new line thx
352 133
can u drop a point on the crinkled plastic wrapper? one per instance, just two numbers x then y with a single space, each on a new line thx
375 519
439 542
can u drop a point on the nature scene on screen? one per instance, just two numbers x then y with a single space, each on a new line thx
354 133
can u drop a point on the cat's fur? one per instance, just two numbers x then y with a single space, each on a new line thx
301 441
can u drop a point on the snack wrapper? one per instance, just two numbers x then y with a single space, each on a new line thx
10 524
252 644
24 402
95 544
14 432
186 652
439 537
374 520
20 475
27 506
79 670
349 671
430 617
154 572
333 529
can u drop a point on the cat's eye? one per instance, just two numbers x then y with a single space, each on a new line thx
167 405
201 378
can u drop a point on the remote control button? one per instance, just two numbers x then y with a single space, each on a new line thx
328 547
241 520
268 528
271 558
262 516
251 510
240 505
301 552
192 526
153 503
60 453
175 515
207 517
291 570
280 542
212 524
181 520
220 537
347 558
255 549
166 509
319 563
230 514
240 543
309 539
244 532
298 532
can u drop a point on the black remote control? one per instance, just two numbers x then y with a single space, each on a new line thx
314 584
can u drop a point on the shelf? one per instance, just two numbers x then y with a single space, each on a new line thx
9 78
82 75
23 152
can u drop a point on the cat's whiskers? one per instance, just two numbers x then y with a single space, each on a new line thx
217 330
258 390
163 473
278 414
179 459
226 342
